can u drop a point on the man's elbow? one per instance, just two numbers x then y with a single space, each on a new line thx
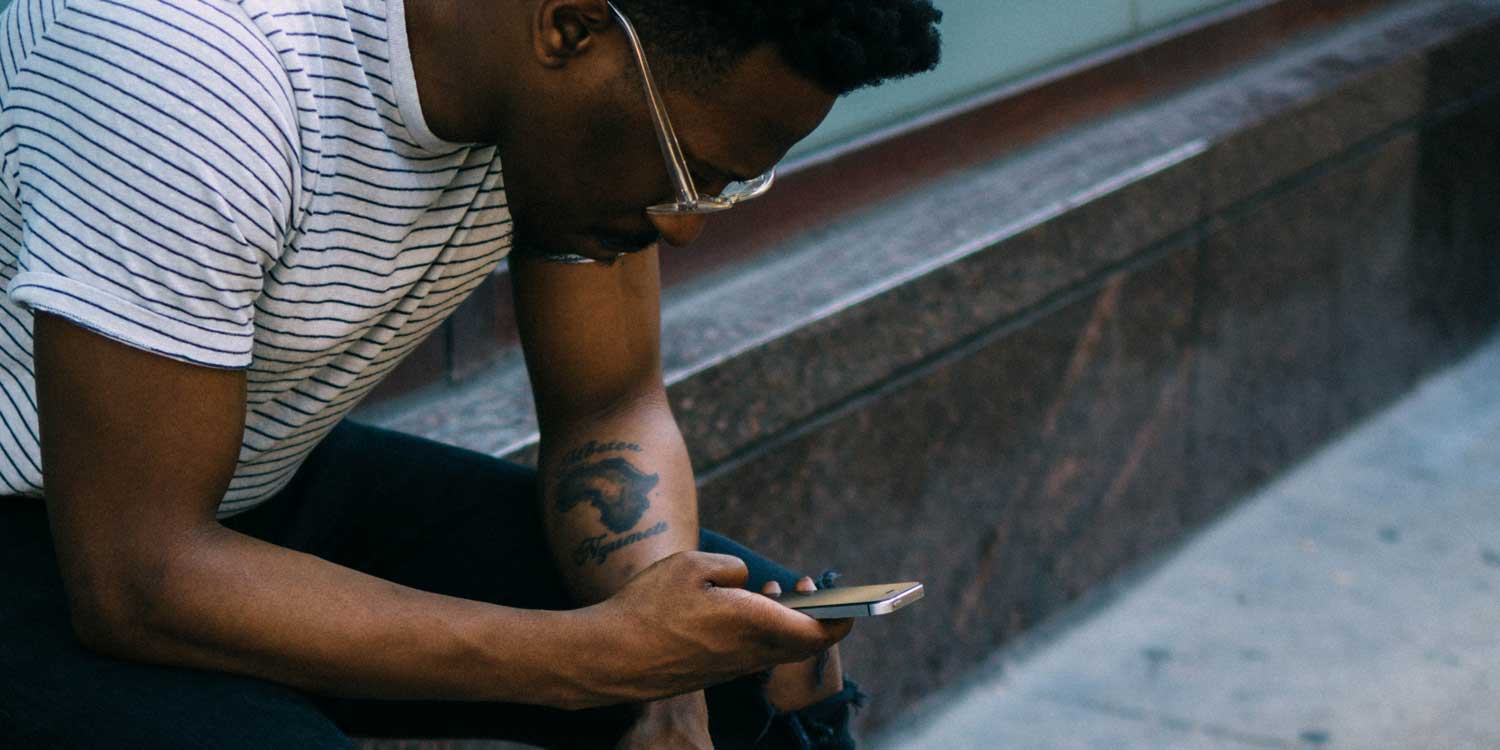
108 615
100 633
107 629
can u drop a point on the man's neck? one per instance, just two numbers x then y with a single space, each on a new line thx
459 50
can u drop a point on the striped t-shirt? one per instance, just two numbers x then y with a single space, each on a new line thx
233 184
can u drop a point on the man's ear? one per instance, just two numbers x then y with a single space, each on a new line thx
564 29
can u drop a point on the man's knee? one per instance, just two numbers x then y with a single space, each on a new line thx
801 684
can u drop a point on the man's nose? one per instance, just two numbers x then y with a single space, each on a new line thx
678 230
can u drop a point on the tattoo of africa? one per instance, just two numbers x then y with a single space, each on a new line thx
613 486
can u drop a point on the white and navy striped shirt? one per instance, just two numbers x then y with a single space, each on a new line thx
234 184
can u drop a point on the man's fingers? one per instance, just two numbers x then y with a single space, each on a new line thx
794 633
837 630
724 571
803 584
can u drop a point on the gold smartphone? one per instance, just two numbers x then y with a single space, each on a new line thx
853 601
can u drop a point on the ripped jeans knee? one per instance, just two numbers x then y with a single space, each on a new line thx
753 723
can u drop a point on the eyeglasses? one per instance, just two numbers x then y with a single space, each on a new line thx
688 199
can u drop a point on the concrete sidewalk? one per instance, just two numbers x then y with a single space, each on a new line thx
1355 604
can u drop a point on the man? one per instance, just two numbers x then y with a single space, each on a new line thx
225 221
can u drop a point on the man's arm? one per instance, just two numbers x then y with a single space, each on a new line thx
617 485
137 452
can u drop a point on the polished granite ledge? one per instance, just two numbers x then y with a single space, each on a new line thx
1029 465
752 354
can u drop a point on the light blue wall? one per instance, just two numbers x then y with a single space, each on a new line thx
989 42
1152 13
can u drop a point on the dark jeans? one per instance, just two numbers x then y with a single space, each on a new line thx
398 507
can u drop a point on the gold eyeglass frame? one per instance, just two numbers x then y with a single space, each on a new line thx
688 199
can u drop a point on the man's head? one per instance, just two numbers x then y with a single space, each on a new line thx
742 81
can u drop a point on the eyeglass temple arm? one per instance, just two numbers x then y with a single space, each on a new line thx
682 180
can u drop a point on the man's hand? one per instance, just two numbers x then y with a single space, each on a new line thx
682 722
686 623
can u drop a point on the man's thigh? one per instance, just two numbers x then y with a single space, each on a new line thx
405 509
56 694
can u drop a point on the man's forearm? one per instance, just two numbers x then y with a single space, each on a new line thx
618 495
232 603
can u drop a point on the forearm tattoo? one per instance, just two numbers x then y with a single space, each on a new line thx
596 448
597 549
615 487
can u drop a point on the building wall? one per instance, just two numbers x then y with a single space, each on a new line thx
988 44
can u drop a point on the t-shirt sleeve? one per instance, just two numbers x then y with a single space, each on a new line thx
151 147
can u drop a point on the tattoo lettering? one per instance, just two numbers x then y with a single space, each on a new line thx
614 486
596 549
594 448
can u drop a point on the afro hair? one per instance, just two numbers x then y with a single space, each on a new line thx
841 45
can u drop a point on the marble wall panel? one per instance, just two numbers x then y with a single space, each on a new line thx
483 328
1381 345
425 365
1464 66
1028 465
1009 477
1455 264
1321 101
1294 136
1327 298
864 344
1268 380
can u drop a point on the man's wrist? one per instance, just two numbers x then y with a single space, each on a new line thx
582 683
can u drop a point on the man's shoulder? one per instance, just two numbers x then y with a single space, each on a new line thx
148 61
183 24
177 114
216 39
